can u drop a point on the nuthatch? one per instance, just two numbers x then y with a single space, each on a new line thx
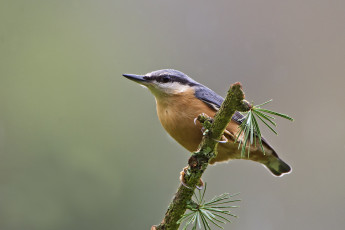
180 100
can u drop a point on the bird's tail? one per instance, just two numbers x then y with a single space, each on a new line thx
278 167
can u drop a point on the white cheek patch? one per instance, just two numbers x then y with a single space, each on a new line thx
158 89
173 87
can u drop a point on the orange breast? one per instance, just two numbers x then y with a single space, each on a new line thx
177 114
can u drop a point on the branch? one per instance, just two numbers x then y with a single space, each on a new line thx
198 162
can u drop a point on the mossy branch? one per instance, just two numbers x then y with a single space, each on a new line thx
198 162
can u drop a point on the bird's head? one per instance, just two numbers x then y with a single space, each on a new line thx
164 82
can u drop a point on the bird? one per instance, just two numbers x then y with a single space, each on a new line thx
180 99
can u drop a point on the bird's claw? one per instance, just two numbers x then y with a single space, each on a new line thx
199 186
222 141
195 119
182 174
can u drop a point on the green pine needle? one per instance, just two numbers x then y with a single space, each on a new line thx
249 129
205 214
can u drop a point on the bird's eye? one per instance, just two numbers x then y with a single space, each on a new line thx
165 79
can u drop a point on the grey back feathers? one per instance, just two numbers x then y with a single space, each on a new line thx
208 96
214 101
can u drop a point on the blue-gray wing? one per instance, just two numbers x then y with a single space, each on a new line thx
214 101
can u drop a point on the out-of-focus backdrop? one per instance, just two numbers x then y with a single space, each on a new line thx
81 147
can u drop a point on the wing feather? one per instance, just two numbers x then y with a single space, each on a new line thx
214 101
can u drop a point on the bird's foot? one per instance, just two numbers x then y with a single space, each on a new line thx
199 186
195 119
223 140
206 122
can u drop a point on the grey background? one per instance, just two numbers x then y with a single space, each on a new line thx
82 148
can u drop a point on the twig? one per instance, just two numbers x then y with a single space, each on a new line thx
198 162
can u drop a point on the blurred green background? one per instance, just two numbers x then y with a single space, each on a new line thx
82 148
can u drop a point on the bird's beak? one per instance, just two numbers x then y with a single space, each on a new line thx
137 78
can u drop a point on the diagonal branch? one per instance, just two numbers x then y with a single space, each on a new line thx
198 162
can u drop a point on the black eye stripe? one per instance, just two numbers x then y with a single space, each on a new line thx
165 78
161 78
